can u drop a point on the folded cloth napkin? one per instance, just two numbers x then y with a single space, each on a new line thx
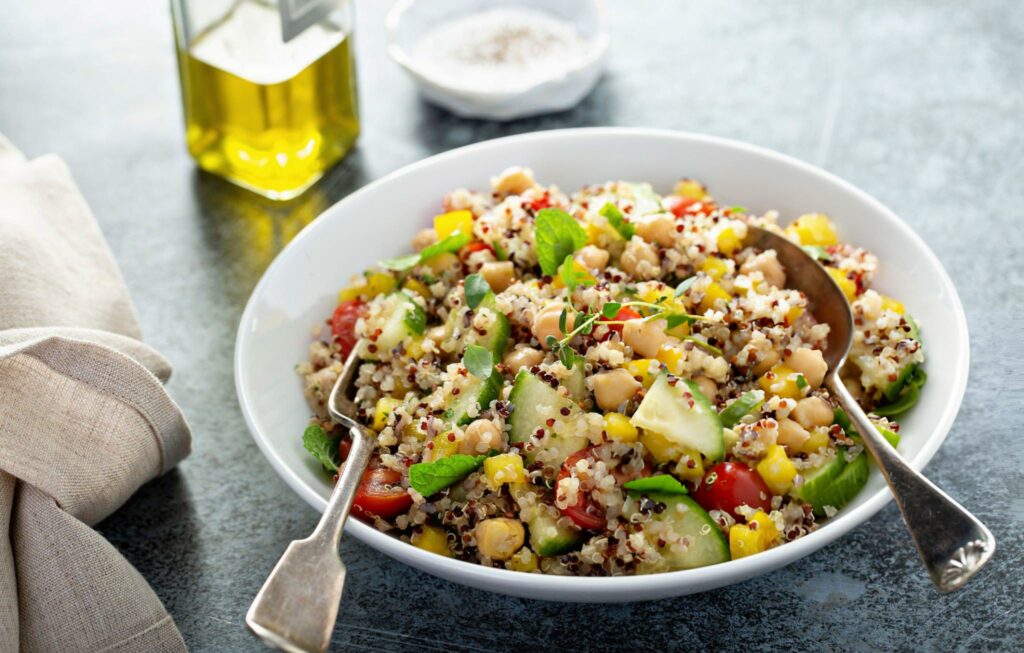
84 421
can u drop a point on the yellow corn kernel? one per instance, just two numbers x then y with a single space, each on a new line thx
443 446
728 241
845 284
781 381
813 229
524 560
890 304
417 286
385 406
662 449
813 444
448 223
672 357
433 539
504 468
714 267
793 314
640 369
777 470
690 466
618 427
713 293
690 189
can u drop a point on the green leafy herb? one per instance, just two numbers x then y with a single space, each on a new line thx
451 244
738 209
610 310
801 382
677 319
817 252
479 361
618 221
911 393
415 318
571 278
476 288
430 478
684 285
557 235
322 446
662 483
582 324
747 403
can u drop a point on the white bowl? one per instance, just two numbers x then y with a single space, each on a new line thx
408 20
300 289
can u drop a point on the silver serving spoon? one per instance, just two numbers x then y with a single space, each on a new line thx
952 542
298 604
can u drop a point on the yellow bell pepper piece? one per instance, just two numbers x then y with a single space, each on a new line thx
714 267
690 189
757 535
443 446
813 229
793 314
781 381
504 468
414 347
618 427
672 357
433 539
713 293
845 284
728 241
890 304
777 470
448 223
813 444
385 406
366 288
417 286
662 449
640 369
524 560
690 466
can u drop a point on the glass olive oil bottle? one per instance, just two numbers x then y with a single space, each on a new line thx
268 114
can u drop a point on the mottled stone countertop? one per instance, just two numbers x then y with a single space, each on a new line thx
918 102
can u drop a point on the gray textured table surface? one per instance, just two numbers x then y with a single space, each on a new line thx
919 103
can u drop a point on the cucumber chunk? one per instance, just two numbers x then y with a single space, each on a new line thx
747 403
706 543
495 338
475 396
550 538
529 393
402 318
835 483
682 415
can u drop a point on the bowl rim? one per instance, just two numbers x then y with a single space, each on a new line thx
599 44
609 588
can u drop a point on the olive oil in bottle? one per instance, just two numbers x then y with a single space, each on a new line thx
269 115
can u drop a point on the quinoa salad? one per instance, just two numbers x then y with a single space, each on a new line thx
606 381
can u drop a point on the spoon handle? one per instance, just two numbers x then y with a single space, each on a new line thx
952 542
298 605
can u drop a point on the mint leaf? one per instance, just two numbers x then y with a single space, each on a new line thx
685 285
322 446
557 235
610 310
479 361
663 483
570 277
476 289
676 319
415 318
400 263
747 403
430 478
618 221
451 244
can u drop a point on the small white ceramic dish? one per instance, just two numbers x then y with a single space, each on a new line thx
300 288
408 20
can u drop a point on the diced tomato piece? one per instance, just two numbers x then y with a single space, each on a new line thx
477 246
680 206
343 324
542 202
381 494
623 315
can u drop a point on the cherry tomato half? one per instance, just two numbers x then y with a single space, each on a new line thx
587 513
623 315
381 494
726 486
343 324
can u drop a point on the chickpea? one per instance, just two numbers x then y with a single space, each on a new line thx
792 435
522 357
659 229
480 437
812 411
423 239
614 388
810 363
593 257
499 538
767 361
545 323
707 387
498 274
513 181
767 263
646 338
640 260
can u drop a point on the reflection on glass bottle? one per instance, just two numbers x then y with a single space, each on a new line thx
268 115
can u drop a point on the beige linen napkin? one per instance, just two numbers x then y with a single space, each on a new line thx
84 421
